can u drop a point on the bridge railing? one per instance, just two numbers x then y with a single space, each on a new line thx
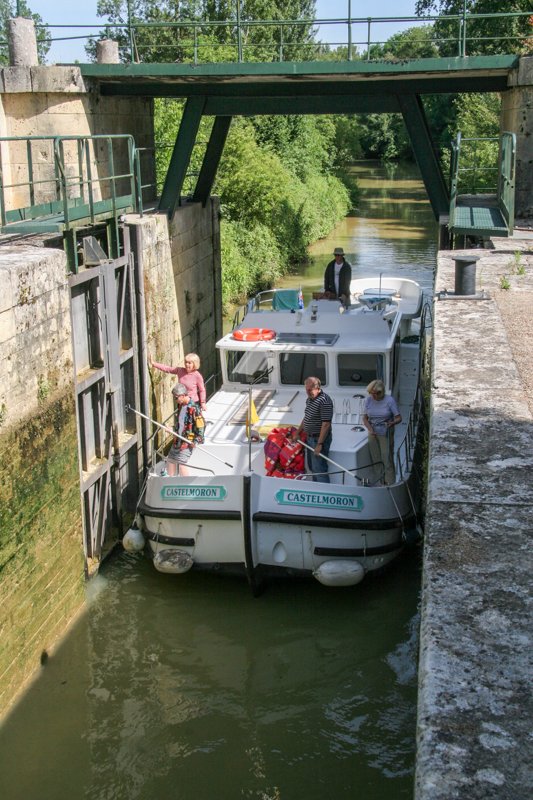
246 40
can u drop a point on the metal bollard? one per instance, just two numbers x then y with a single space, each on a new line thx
465 275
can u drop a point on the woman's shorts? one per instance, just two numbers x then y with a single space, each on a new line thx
180 456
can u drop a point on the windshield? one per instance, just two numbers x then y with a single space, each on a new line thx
359 368
294 368
245 366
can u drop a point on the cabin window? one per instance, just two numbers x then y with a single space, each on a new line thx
358 369
294 368
245 366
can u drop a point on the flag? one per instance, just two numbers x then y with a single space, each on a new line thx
252 417
300 298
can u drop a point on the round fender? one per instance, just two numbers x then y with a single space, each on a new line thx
254 334
133 540
339 573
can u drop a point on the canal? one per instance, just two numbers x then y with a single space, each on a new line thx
188 687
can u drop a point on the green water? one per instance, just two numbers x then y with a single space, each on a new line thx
187 687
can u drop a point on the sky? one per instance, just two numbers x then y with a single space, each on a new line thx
64 12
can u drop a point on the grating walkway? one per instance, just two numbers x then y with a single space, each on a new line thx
481 220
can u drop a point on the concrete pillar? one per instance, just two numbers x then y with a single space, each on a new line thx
22 42
517 117
107 52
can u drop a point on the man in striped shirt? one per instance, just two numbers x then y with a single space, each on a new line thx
317 426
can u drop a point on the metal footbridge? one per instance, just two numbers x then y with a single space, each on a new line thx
351 84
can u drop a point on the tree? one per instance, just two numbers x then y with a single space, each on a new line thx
493 35
415 42
8 10
210 43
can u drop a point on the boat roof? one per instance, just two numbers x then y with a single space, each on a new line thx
368 324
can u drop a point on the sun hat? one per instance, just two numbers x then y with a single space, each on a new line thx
338 251
179 389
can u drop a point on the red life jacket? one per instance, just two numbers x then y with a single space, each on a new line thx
283 457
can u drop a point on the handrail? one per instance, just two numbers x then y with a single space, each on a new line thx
405 451
474 179
237 32
71 183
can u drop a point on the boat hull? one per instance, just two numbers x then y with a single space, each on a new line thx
263 525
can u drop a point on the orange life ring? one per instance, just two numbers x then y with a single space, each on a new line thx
254 334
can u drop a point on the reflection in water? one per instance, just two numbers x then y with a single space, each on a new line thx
187 687
192 688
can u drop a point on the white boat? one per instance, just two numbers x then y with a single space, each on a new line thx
228 514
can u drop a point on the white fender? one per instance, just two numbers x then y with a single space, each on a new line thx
339 573
133 540
175 561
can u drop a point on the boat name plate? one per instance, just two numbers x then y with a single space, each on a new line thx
291 497
193 492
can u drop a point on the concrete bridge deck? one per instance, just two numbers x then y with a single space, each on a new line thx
475 700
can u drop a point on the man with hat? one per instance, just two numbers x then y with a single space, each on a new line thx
189 424
337 278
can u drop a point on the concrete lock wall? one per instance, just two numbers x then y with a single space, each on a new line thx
41 544
41 558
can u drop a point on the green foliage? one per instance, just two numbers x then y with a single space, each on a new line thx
252 260
415 42
504 283
383 136
298 204
477 117
517 265
497 34
8 10
210 44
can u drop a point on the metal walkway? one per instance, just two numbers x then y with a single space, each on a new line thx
64 184
482 198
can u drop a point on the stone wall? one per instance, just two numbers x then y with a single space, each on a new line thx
57 101
517 117
41 528
41 556
181 273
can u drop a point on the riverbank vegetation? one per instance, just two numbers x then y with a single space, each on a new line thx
279 189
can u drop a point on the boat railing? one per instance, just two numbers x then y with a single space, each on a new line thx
363 481
405 453
211 382
269 300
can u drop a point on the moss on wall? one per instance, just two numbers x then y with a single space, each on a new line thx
41 556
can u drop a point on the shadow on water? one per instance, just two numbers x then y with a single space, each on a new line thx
190 682
188 687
